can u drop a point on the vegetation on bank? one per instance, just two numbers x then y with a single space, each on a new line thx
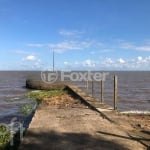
26 109
5 136
39 95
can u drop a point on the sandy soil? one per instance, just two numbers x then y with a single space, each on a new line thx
140 121
62 123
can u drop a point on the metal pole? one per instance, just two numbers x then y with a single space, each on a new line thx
102 91
92 87
87 85
53 61
115 92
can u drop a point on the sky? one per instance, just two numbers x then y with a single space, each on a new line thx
84 34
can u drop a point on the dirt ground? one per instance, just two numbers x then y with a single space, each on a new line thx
140 121
63 123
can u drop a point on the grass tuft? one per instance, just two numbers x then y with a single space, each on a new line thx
41 94
5 136
26 109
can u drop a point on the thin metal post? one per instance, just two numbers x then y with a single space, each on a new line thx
92 88
87 85
115 92
102 91
53 61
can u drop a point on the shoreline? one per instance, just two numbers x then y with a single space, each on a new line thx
136 112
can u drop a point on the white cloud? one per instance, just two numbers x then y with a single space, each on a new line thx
89 63
95 52
139 58
109 61
38 45
67 45
73 45
22 52
70 33
66 62
139 63
125 45
31 62
64 46
143 48
120 60
106 50
31 58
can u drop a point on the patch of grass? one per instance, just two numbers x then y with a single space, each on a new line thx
5 136
26 109
40 94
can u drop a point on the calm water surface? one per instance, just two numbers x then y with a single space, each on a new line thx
133 90
13 94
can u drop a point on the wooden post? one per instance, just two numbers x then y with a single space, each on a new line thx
102 91
53 60
92 88
115 92
87 86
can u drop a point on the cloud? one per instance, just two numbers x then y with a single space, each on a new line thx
89 63
32 62
64 46
143 48
101 50
138 63
66 63
125 45
70 33
38 45
139 58
73 45
108 61
120 60
31 58
21 52
68 45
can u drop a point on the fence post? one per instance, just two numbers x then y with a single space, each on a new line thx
115 92
92 88
102 91
87 85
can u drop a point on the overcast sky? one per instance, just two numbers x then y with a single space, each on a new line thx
85 34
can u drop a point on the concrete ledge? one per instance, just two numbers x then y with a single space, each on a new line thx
40 85
85 98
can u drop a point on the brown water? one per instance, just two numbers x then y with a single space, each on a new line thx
134 91
13 94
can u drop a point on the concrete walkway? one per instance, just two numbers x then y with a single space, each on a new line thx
75 129
86 126
80 128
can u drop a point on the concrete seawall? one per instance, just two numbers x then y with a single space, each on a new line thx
85 98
